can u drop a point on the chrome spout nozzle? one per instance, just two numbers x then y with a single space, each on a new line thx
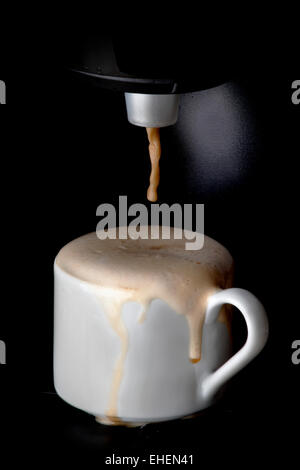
152 110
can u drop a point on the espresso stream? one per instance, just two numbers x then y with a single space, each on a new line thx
155 153
143 270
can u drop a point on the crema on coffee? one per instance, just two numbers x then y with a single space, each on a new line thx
145 269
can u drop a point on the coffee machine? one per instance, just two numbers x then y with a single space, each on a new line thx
151 73
179 85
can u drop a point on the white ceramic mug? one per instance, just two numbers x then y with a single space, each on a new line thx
158 382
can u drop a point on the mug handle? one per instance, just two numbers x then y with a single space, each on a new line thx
258 330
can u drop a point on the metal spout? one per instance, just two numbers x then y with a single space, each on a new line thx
152 110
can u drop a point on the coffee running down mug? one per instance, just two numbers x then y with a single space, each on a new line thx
142 329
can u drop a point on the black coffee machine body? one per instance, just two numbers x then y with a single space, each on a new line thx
177 84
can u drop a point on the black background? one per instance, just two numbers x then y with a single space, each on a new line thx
67 147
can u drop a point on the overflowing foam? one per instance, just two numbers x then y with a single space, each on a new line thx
145 269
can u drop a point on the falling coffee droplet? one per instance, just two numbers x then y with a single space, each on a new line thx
155 152
195 360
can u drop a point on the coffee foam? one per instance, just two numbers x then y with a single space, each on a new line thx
145 269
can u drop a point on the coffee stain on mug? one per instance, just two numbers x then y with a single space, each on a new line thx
183 279
113 309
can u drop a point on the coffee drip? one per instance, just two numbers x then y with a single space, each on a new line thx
155 153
